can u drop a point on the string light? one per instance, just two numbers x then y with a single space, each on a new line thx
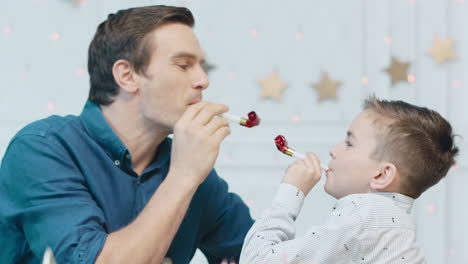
80 72
7 30
50 107
365 80
296 118
253 33
411 78
388 39
232 76
430 208
54 36
299 36
80 3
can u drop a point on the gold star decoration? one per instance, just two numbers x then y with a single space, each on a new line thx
272 87
442 50
398 71
326 87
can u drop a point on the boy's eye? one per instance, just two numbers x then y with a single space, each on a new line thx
348 144
183 66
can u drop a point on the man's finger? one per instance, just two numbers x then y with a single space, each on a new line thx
192 111
221 134
215 124
209 111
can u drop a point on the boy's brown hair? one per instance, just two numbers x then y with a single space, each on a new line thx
417 140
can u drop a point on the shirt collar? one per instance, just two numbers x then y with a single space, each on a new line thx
400 200
100 130
97 126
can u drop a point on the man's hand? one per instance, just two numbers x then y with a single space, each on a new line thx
197 137
304 174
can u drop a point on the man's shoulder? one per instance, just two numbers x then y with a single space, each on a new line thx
48 126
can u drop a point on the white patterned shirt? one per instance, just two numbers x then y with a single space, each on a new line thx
362 228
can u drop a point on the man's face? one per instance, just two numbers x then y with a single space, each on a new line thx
351 166
174 78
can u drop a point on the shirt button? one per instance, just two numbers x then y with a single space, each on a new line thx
117 162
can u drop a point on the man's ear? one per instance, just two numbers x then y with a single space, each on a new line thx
387 176
125 76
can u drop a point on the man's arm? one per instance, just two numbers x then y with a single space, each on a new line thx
226 221
147 239
46 195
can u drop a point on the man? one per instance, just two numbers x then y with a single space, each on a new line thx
109 186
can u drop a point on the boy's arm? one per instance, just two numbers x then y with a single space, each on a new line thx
271 238
275 228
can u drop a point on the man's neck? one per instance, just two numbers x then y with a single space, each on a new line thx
141 139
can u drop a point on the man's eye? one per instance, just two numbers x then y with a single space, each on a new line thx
183 66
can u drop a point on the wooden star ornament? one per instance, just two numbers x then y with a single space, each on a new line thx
327 87
398 71
272 87
442 50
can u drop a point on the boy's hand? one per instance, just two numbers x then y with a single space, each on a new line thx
304 174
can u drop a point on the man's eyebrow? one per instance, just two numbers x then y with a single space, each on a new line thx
187 55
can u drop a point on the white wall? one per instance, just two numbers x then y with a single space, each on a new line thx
43 49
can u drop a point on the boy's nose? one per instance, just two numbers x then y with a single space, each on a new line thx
332 154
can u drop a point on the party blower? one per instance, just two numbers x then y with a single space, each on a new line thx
251 120
282 145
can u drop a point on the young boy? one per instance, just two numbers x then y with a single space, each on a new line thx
392 153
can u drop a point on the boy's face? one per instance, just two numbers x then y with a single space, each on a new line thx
351 166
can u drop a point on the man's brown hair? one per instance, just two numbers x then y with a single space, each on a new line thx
123 36
417 140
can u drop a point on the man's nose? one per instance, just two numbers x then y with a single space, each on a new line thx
201 82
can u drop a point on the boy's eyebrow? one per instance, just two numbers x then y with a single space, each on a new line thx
184 54
350 134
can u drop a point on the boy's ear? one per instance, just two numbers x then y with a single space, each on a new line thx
125 76
387 176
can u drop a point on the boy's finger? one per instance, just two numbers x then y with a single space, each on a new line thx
313 160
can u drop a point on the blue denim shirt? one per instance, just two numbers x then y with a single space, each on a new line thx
67 182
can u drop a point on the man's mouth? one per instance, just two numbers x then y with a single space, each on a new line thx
194 101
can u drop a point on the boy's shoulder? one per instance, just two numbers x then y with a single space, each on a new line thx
381 210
